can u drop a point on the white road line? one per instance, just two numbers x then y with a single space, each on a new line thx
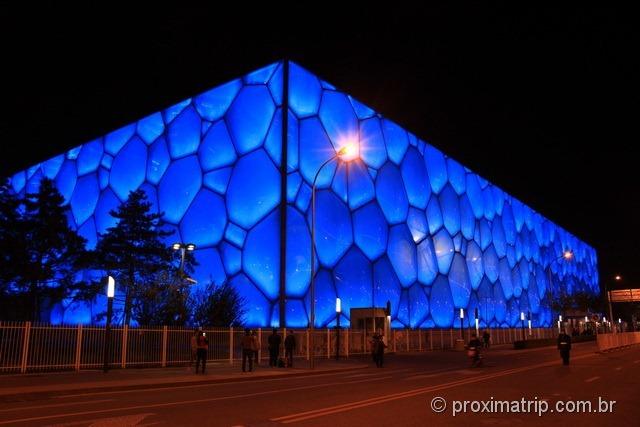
185 402
591 379
55 405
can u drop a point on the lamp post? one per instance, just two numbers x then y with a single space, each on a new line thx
529 321
345 151
461 326
111 291
568 256
338 312
522 323
183 247
477 322
617 278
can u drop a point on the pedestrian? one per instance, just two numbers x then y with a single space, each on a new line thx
194 346
247 350
564 345
373 343
274 348
289 348
486 338
379 349
473 351
202 346
256 346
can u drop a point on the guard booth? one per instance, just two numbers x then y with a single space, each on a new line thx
370 320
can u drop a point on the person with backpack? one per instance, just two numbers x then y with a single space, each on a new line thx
274 348
202 346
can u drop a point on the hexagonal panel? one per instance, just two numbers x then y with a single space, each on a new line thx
179 187
304 91
396 139
249 117
391 194
129 168
261 255
333 228
416 180
339 119
441 303
352 277
203 223
370 230
216 149
373 150
402 254
214 103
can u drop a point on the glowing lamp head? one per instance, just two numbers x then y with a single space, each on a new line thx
522 315
462 313
176 246
111 287
618 277
191 246
338 306
348 152
567 255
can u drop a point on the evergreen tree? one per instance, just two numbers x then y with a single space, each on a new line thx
10 241
51 253
218 305
133 252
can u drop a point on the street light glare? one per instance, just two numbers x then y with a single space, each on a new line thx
568 255
176 246
191 246
348 152
618 277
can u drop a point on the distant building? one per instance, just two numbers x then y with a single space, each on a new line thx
400 222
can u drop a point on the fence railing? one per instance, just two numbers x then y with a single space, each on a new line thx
30 347
611 341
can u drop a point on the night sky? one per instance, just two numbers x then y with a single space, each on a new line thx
542 102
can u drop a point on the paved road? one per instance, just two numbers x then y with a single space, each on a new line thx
398 394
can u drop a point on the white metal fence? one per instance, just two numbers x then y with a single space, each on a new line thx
29 347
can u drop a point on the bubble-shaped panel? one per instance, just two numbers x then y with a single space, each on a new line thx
325 298
418 306
178 187
457 176
261 255
85 197
254 189
89 157
129 168
450 210
249 117
107 202
315 150
259 312
386 285
203 223
474 264
391 195
151 127
436 167
361 188
210 268
115 140
216 149
66 180
402 253
214 103
444 250
459 282
397 140
333 227
339 119
370 230
372 147
427 262
417 223
434 215
352 277
416 180
490 263
441 303
298 267
304 91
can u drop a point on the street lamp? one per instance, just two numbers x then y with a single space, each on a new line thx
111 292
567 256
522 322
338 312
183 247
346 153
617 278
475 311
529 320
461 326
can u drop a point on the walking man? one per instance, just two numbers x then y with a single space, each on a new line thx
486 338
564 345
274 348
289 348
202 347
247 350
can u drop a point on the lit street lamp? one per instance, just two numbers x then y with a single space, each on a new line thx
183 247
346 153
338 312
522 322
111 291
461 326
617 278
567 256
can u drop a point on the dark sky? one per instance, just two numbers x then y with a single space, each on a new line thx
542 102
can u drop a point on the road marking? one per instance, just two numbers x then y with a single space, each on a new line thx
378 372
619 368
591 379
55 405
125 420
188 402
403 395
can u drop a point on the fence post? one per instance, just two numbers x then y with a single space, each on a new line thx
259 344
347 342
231 345
430 339
395 350
419 340
408 331
123 349
328 344
78 347
451 334
441 339
307 343
164 346
25 347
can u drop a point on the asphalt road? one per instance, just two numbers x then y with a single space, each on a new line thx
400 394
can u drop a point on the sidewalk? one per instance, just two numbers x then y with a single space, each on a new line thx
132 378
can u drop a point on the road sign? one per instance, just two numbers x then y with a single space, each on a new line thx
625 295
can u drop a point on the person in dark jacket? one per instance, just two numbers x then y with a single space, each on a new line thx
379 346
564 345
486 338
289 348
473 351
248 345
274 348
202 346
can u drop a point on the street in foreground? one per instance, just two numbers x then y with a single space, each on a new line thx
419 389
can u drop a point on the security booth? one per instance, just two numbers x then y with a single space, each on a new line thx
370 320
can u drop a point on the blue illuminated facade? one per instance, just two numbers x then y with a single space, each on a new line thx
402 222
